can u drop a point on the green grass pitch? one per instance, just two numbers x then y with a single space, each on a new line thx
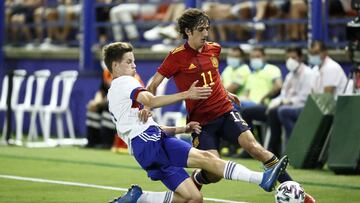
105 168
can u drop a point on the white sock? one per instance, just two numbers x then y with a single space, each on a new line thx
234 171
164 197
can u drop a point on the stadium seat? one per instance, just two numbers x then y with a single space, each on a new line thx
19 76
20 108
68 79
41 76
4 93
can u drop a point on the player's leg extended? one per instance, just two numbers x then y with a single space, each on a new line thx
236 130
233 171
249 143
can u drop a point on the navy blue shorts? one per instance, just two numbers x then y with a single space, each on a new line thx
162 156
227 127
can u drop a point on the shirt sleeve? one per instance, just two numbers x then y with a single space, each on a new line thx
275 73
169 67
131 87
331 77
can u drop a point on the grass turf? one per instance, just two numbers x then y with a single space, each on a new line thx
102 167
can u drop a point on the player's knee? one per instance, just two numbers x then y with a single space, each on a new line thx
207 158
208 155
193 197
196 197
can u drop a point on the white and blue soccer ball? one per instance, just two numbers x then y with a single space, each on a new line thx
289 192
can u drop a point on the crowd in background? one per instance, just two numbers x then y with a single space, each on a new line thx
55 23
275 103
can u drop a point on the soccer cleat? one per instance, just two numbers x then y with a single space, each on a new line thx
271 175
309 199
199 186
131 196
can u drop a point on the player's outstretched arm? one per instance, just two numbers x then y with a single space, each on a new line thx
192 126
156 80
148 99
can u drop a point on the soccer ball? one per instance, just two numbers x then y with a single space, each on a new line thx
289 192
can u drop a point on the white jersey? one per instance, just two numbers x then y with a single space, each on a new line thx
124 108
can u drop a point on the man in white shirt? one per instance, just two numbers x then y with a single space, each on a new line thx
162 156
294 92
329 77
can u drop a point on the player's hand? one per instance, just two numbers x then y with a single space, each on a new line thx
198 92
144 114
193 126
234 98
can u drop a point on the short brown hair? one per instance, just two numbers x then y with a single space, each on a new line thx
296 50
320 44
190 19
259 49
114 52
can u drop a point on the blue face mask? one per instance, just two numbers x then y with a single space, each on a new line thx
233 61
315 60
256 63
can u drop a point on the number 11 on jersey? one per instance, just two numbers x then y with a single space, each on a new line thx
203 75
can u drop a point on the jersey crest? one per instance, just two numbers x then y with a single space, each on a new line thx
214 62
213 44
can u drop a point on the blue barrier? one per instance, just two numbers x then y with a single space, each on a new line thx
2 27
88 36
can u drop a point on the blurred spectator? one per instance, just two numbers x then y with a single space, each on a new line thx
60 20
123 16
294 92
234 78
236 72
298 9
265 9
263 84
165 29
329 77
340 8
220 12
102 16
100 129
20 14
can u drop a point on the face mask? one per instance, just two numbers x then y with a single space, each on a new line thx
256 63
292 64
315 60
233 61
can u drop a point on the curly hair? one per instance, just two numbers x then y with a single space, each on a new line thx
191 19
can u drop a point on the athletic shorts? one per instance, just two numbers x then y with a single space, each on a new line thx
163 157
227 127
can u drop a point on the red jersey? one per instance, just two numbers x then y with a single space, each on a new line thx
187 65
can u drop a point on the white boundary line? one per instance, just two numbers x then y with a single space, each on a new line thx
40 180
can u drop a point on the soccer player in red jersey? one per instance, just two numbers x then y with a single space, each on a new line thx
198 59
